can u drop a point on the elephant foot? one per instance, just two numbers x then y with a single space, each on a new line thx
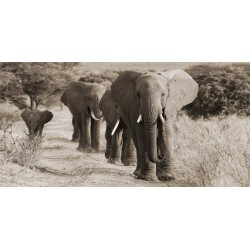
166 177
85 150
147 177
129 162
75 139
114 161
95 150
137 172
107 154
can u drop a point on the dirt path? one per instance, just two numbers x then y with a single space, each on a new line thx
62 165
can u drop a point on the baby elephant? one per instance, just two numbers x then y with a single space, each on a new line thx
35 121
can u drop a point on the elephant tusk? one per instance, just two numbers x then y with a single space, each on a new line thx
93 116
115 127
162 119
139 118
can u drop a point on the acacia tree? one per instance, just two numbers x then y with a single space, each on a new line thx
39 80
9 86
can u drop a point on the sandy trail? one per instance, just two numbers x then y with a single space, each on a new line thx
62 165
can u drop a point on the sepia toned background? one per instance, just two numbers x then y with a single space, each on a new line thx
124 218
211 135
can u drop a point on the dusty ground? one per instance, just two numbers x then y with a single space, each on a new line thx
62 165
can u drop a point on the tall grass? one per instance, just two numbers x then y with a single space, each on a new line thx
213 152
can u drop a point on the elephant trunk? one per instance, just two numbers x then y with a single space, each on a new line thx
166 142
151 137
95 112
150 117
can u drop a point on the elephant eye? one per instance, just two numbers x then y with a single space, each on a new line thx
163 94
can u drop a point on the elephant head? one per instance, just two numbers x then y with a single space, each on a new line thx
151 98
35 120
110 110
92 96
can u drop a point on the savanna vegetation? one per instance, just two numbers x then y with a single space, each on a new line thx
212 135
37 81
222 91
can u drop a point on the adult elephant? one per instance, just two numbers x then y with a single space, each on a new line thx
148 104
119 146
83 100
35 121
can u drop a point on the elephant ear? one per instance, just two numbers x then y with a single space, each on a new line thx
182 90
64 98
25 116
108 108
106 103
123 89
46 116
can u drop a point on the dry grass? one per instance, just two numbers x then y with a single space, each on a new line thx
213 152
21 150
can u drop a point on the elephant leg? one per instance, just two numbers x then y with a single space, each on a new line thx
108 138
92 131
147 167
137 171
78 121
115 153
76 133
132 131
85 139
163 169
95 134
124 143
128 149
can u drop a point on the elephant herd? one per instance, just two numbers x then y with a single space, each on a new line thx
139 109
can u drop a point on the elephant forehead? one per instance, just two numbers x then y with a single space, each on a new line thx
35 115
151 81
96 89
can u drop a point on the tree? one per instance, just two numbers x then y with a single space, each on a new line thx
39 80
99 78
9 86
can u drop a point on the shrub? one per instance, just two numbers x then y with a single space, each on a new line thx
6 138
22 151
221 92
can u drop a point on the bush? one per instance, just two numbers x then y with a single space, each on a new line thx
221 92
109 76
